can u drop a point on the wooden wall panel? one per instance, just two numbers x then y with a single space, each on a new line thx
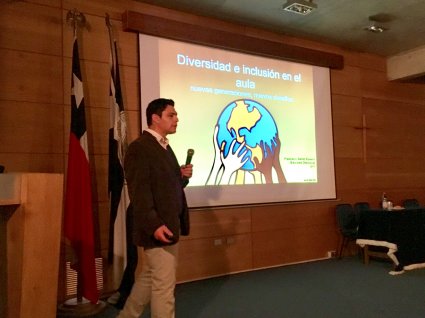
293 244
31 127
376 85
284 216
130 76
349 174
41 32
32 162
103 212
97 77
133 125
207 257
31 77
67 75
357 181
98 121
395 129
348 141
100 165
346 110
128 46
346 81
395 173
365 61
347 126
219 222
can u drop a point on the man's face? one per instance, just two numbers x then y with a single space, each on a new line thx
167 123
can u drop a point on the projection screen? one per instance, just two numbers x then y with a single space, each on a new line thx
261 128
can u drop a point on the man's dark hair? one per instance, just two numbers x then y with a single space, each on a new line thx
157 106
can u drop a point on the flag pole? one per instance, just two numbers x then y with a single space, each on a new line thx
117 187
77 19
80 305
113 78
111 43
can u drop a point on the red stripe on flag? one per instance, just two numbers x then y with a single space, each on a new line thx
79 218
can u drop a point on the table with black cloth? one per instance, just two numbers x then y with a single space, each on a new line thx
401 231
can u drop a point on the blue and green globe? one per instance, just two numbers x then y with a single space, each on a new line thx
248 121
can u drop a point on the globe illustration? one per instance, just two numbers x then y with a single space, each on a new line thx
248 121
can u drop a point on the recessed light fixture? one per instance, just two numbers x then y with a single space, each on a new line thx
376 22
374 28
302 7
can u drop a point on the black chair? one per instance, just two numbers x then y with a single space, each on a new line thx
410 203
348 225
359 207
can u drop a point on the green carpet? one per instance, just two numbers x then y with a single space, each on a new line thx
322 289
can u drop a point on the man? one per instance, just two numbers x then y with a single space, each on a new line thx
160 214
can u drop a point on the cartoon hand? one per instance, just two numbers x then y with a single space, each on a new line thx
216 145
233 161
276 162
265 166
212 177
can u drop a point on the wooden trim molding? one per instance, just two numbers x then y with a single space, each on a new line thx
205 35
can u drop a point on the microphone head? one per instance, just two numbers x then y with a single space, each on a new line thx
190 152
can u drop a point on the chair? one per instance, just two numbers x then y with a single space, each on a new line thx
410 203
348 225
359 207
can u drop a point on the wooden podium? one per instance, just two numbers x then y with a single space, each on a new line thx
30 232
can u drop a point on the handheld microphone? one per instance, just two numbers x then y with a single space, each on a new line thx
190 153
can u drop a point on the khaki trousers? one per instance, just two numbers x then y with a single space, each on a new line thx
154 284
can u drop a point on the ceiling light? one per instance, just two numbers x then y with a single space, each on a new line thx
303 7
374 28
378 18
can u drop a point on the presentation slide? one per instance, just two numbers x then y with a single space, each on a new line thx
260 128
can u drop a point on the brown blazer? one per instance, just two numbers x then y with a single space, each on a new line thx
156 191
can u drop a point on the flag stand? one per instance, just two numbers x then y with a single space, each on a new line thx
79 306
75 308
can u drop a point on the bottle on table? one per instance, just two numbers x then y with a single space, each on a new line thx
384 201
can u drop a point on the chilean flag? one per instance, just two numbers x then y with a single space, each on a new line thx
78 223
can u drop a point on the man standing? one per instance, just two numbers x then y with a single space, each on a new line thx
160 214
